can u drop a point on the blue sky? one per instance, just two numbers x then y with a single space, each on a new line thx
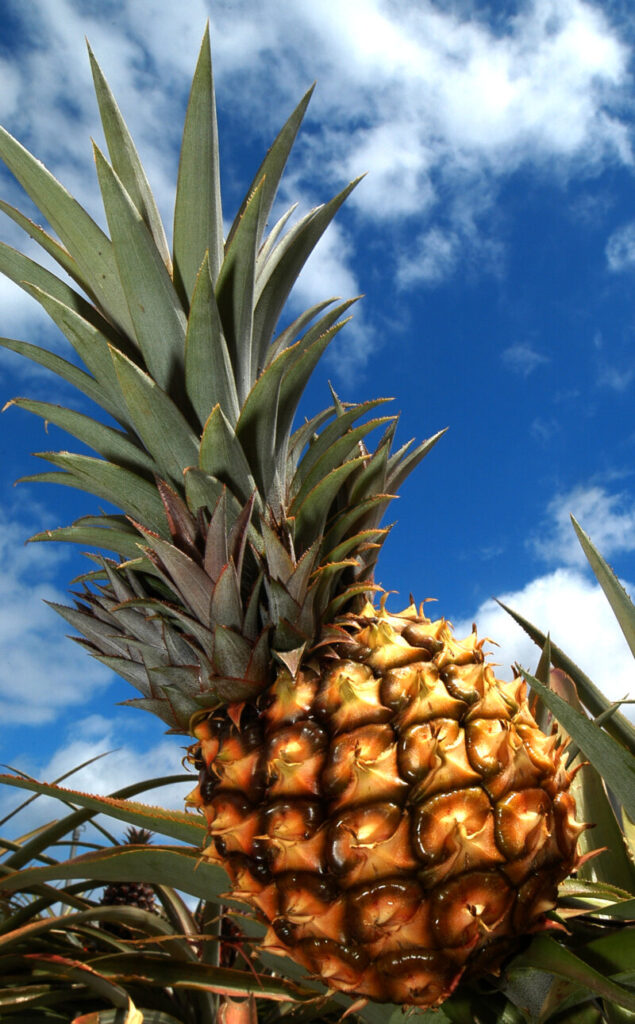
493 238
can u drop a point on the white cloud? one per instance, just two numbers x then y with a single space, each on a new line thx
608 519
567 603
620 248
41 672
576 614
521 358
434 259
125 763
432 102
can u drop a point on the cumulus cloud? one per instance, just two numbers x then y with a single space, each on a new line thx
438 105
126 761
42 674
569 606
566 602
609 520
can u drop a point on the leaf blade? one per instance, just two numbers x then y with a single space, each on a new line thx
198 213
157 419
155 310
86 242
125 159
614 762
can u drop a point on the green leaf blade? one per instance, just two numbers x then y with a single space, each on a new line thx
125 159
615 763
209 378
198 214
157 420
155 309
235 293
615 594
84 239
123 488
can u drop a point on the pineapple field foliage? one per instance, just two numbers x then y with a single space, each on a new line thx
245 554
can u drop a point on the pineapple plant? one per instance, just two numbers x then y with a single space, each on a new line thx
385 805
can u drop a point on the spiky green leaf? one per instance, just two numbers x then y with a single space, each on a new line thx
221 455
123 488
125 159
547 955
209 377
47 242
235 292
155 308
157 420
24 271
271 168
398 470
65 370
311 516
83 238
105 533
112 444
592 697
198 214
615 763
617 597
283 267
192 582
91 346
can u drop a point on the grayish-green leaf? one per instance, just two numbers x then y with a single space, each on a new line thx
284 265
48 243
158 421
86 242
24 271
311 516
209 377
112 444
92 347
120 486
67 371
272 167
617 597
123 542
235 292
155 309
615 764
221 456
198 214
125 159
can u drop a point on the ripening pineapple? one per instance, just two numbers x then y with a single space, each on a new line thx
131 894
386 805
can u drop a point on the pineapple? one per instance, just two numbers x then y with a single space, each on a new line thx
131 894
386 806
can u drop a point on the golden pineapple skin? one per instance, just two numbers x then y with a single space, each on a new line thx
395 816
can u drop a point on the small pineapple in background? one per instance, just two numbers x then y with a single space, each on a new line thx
388 807
130 894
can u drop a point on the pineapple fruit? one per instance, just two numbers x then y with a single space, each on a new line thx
386 806
131 894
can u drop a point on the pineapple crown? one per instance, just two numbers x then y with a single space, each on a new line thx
135 836
240 534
